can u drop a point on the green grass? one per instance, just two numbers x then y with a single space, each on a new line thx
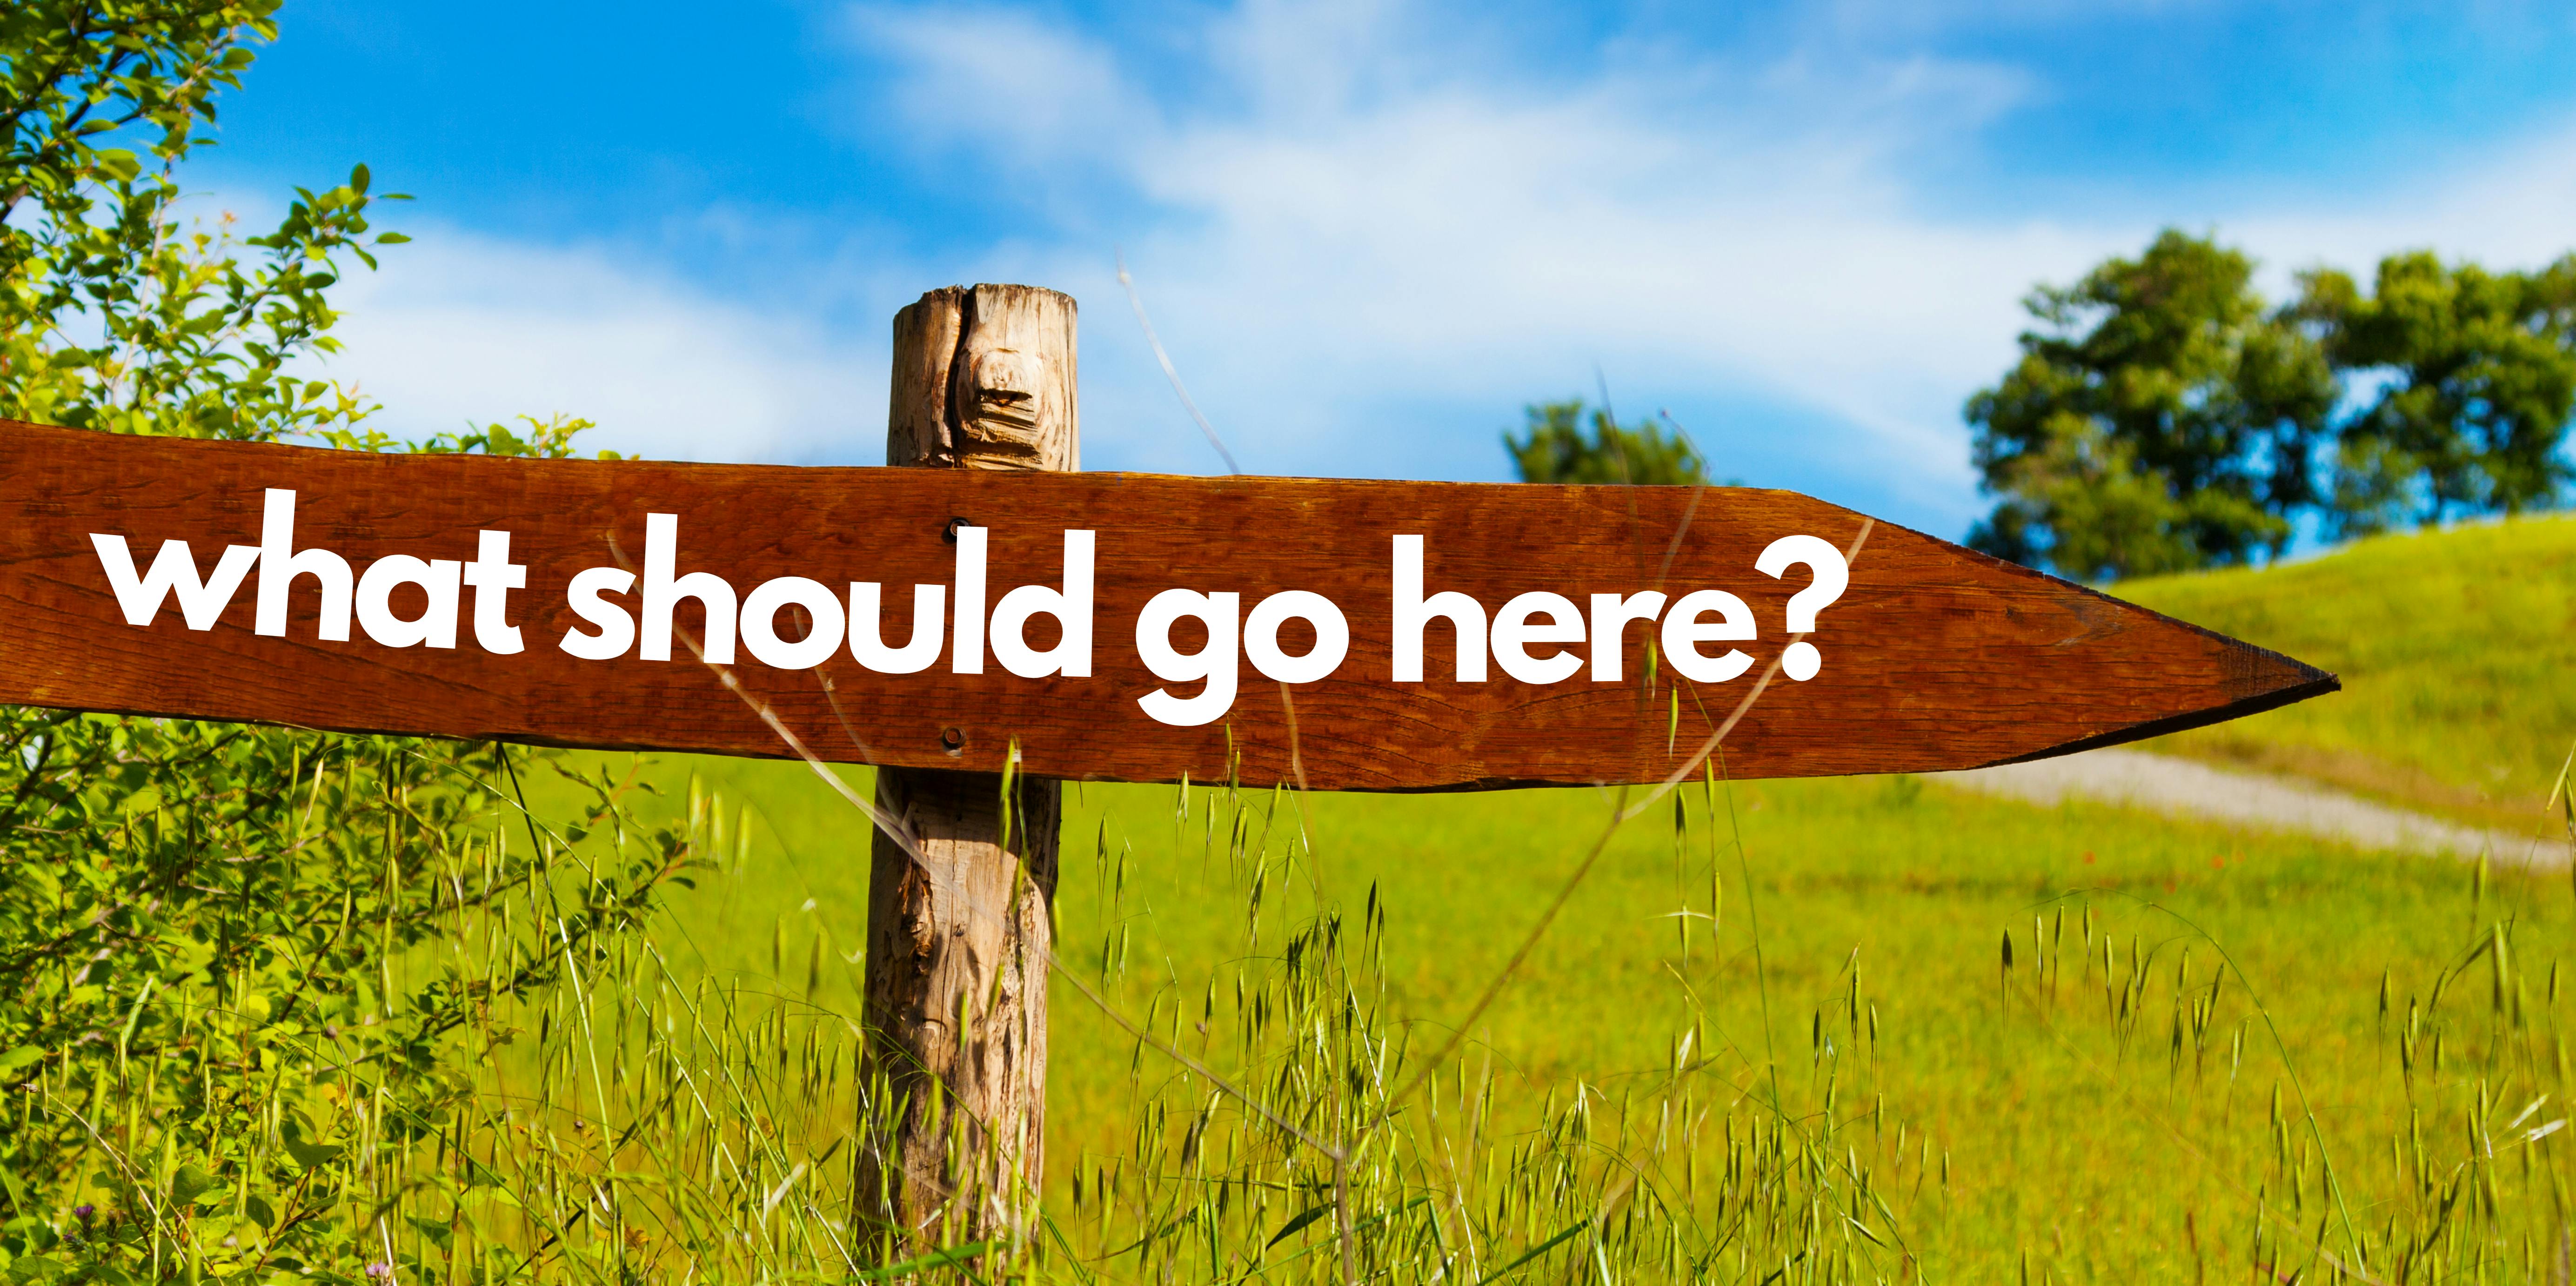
2070 1044
2458 656
2090 1116
1802 1032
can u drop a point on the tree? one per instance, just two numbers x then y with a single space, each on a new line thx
117 313
2084 500
1555 449
2163 419
213 1061
2159 418
2475 374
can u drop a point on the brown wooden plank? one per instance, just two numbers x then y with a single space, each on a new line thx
1934 658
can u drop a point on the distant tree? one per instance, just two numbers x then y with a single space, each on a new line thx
2475 373
2083 506
2160 418
1555 449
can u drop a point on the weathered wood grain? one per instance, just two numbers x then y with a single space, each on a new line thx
960 910
1935 658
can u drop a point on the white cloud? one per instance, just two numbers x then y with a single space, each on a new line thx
459 329
1036 95
1371 225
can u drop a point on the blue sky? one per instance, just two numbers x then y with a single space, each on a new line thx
1367 233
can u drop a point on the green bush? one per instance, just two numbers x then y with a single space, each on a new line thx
222 1031
219 1029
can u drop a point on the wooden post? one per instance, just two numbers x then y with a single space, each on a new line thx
958 940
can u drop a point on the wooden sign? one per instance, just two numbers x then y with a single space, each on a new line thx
1360 635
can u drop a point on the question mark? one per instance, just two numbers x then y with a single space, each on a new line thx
1802 660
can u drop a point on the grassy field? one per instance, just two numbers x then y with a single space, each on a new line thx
2074 1044
1771 1032
2095 1111
1796 1033
2456 656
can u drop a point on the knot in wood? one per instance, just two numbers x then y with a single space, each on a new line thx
1006 380
1006 413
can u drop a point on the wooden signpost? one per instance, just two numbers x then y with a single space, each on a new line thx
998 610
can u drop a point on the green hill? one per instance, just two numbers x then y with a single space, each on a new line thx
2455 649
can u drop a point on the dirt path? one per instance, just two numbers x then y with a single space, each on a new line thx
2168 785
